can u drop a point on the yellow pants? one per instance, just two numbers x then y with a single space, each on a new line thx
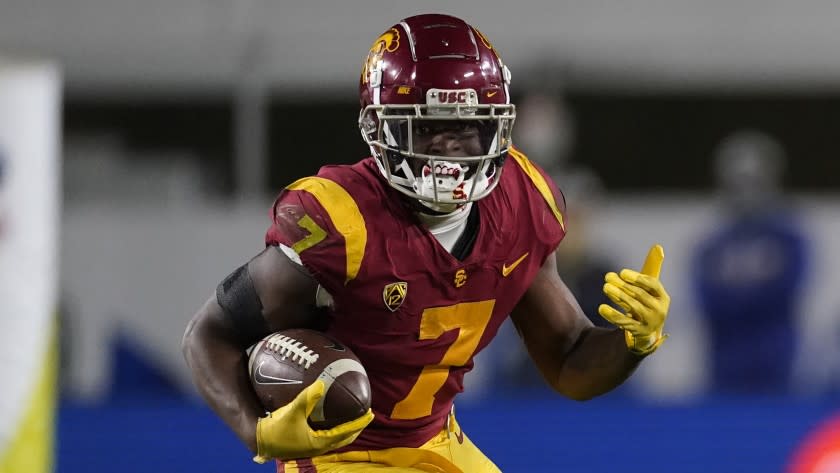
450 451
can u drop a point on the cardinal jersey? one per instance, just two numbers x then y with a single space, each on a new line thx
414 314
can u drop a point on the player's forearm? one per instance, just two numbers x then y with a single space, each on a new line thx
220 372
597 363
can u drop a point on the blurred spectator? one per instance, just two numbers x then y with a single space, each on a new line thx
580 263
545 132
817 367
748 272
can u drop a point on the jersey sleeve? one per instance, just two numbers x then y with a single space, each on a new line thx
546 202
322 225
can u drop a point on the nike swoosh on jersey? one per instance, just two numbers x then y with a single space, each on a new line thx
262 378
509 269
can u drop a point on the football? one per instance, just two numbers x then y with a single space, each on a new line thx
282 364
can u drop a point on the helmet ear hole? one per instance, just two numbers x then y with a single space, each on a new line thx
394 160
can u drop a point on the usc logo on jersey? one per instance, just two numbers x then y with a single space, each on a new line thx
394 294
388 41
460 278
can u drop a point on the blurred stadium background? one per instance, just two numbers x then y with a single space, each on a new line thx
141 144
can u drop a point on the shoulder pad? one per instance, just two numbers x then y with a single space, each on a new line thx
321 222
544 185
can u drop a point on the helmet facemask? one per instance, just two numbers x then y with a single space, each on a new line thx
442 183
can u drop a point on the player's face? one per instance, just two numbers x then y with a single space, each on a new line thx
444 161
448 138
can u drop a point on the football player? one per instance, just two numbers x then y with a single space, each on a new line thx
417 255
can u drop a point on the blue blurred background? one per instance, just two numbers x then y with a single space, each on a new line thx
710 127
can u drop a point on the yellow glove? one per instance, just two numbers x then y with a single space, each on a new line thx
644 301
286 434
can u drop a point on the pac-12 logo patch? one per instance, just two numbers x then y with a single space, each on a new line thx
394 295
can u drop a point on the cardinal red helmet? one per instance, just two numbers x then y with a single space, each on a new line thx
424 70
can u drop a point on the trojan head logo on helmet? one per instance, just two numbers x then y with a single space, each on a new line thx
433 73
388 41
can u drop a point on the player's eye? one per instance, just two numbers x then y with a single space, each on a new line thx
424 130
468 131
463 128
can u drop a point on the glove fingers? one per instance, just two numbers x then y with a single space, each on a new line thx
636 292
617 301
633 306
310 396
352 426
339 442
617 318
648 283
348 430
653 262
614 296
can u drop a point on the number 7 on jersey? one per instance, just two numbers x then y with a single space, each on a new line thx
470 318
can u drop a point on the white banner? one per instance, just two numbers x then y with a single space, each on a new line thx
30 98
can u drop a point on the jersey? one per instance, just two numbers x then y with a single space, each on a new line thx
748 277
414 314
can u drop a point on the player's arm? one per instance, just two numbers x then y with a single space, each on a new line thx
579 360
267 294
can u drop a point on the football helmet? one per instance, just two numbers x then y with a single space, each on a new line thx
436 72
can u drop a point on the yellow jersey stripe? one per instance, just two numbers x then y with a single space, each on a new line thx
422 458
345 216
539 182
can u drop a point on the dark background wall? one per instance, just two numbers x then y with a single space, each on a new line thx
622 136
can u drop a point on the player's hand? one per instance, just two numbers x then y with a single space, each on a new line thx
644 301
286 434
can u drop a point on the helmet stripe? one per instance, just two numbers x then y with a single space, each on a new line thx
410 40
